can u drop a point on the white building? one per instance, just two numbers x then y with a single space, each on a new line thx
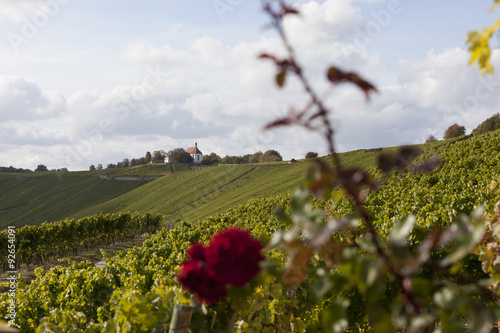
195 153
167 158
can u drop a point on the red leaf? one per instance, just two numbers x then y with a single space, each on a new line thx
291 118
288 10
336 75
268 56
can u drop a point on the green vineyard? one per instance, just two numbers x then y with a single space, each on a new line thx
137 290
36 244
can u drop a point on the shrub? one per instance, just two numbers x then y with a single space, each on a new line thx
454 131
490 124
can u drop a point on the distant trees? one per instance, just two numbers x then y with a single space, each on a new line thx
231 160
138 161
255 158
311 155
159 156
12 169
430 139
179 155
271 156
211 159
490 124
454 131
259 157
41 167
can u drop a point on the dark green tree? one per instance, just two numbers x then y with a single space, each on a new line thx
227 160
148 157
311 155
41 167
179 155
271 155
211 159
490 124
158 156
256 158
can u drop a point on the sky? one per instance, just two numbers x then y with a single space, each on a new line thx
87 82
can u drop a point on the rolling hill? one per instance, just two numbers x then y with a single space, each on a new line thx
184 192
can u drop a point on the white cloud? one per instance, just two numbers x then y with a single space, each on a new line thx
139 52
429 96
326 21
19 10
23 100
220 95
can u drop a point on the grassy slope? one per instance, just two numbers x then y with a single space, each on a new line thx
201 193
187 193
174 193
39 197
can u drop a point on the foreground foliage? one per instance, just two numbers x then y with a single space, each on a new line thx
140 284
37 244
343 253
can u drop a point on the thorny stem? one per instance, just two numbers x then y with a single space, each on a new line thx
323 113
404 281
297 69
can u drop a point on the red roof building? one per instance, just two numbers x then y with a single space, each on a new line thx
195 153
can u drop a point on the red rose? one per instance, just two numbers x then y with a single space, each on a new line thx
195 278
196 252
233 257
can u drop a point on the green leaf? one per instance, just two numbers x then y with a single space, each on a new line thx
401 230
298 324
380 320
480 319
334 318
466 233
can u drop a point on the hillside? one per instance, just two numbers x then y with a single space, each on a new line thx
182 191
186 192
38 197
144 275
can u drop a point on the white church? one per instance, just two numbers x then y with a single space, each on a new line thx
195 153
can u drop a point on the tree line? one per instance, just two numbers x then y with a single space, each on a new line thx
179 155
39 168
456 130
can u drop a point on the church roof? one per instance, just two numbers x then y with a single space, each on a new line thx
194 150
